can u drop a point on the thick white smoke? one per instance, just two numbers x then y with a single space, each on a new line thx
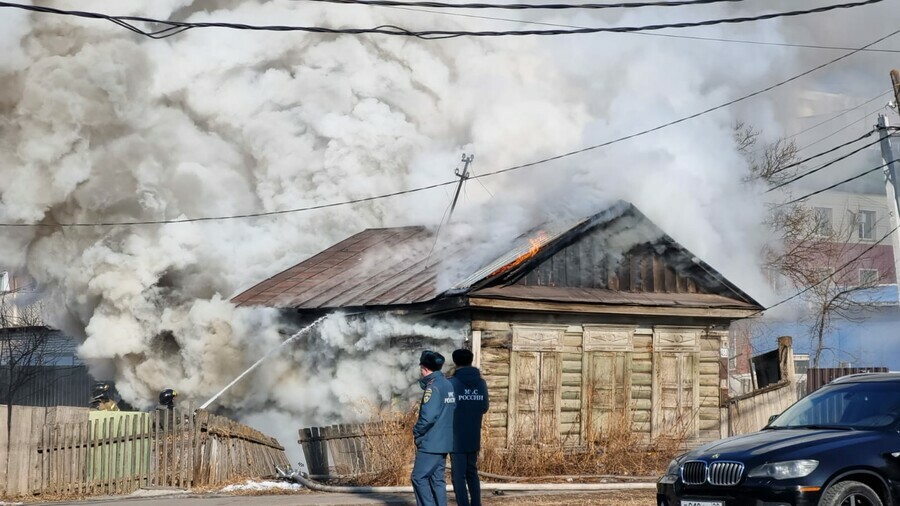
100 125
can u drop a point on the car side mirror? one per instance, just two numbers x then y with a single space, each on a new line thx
772 419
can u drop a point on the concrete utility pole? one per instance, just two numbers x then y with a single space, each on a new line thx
889 159
462 179
895 80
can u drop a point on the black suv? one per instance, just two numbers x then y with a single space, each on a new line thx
839 446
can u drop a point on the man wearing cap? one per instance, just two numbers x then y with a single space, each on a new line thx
433 432
471 405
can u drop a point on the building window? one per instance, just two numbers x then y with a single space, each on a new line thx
823 224
868 276
866 223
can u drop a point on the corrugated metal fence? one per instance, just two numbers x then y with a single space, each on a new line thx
49 386
816 378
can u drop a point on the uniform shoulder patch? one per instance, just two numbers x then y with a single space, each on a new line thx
427 396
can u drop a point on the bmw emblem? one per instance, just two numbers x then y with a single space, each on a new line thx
715 456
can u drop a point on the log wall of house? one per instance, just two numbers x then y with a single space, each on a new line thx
566 382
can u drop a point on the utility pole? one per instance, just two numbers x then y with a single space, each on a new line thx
889 159
462 179
895 80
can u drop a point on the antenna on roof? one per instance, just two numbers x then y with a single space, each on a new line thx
462 179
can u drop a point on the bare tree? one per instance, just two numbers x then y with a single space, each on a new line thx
811 254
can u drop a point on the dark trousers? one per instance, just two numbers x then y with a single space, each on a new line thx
428 481
464 474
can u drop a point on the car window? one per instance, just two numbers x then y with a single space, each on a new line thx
853 405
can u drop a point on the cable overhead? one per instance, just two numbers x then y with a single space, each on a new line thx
835 185
524 6
651 34
829 163
487 174
832 134
176 27
829 276
842 113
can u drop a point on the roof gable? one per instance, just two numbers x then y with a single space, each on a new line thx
620 250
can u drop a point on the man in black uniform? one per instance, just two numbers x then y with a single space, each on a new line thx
433 432
471 405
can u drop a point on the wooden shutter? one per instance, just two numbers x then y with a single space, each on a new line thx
676 394
607 389
549 402
525 400
534 402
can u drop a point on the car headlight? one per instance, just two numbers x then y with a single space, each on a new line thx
785 470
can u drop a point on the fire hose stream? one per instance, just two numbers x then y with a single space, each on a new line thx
297 477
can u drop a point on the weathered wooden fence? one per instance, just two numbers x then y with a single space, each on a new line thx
73 451
336 450
750 412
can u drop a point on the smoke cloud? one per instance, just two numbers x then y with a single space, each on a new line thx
99 125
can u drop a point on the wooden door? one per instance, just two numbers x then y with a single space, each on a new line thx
676 394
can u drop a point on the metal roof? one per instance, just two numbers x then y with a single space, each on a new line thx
406 265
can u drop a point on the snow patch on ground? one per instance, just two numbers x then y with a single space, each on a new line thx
251 485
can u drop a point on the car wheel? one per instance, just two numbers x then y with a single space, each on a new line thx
850 493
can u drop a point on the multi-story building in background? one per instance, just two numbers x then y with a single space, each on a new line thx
862 336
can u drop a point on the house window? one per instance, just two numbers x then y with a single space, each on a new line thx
868 276
866 223
823 224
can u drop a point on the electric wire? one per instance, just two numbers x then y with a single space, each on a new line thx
832 150
829 276
653 34
524 6
487 174
839 130
829 163
176 27
840 114
835 185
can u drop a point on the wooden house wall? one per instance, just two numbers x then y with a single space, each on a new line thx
585 382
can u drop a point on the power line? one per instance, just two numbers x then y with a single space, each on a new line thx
829 276
651 34
232 217
835 185
827 164
842 113
176 27
839 130
524 6
487 174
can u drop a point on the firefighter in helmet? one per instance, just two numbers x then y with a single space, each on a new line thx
100 400
167 398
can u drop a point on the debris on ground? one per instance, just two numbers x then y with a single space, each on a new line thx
263 486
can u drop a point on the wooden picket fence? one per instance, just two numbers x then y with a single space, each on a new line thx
339 450
109 453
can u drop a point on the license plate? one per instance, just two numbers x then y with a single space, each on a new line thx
702 503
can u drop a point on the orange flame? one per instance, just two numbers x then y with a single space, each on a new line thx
536 243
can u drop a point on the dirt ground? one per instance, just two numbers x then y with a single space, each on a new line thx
631 498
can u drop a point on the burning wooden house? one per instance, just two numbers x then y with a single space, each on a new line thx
573 326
